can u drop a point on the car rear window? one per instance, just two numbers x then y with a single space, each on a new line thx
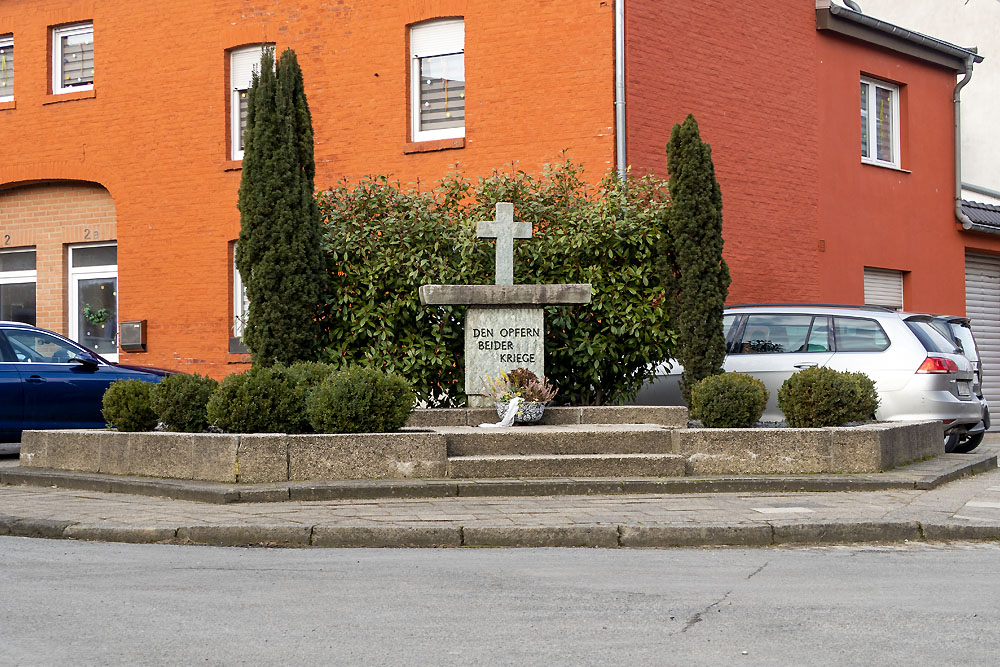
932 339
855 334
964 336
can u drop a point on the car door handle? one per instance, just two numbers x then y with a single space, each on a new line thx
807 365
35 378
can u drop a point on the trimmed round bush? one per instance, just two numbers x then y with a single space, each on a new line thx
180 402
360 400
260 400
127 406
729 400
821 396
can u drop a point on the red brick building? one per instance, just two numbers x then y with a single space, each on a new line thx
121 159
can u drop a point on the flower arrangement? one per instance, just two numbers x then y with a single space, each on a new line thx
519 382
97 317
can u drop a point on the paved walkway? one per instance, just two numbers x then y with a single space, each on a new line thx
966 509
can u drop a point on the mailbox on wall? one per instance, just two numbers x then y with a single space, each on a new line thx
132 336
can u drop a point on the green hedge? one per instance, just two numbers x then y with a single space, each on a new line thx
127 406
821 396
180 402
728 400
384 241
360 400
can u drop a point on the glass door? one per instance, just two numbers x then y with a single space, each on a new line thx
93 298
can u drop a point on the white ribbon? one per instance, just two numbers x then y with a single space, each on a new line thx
508 416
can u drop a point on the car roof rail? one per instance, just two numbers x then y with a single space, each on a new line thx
880 309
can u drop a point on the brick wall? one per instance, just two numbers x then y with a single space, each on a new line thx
747 71
539 80
49 217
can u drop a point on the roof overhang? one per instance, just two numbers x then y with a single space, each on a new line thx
844 21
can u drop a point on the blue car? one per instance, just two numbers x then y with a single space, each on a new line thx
48 381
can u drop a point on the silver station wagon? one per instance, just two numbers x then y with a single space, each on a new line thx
918 372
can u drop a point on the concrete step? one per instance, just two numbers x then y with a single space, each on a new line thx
565 439
580 465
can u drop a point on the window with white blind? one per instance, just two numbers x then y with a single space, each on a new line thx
437 79
73 58
242 63
879 123
6 67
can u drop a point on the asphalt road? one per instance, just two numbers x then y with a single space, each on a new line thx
79 603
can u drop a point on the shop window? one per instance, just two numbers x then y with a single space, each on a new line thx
437 80
73 58
17 286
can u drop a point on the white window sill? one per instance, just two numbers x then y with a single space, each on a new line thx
70 96
883 165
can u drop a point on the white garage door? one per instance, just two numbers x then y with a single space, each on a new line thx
982 306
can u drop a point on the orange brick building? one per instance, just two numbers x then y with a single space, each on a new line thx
121 138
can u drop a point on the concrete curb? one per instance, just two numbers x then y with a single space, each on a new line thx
777 533
925 475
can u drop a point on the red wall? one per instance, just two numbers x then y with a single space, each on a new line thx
747 71
888 218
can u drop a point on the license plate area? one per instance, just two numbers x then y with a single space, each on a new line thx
964 389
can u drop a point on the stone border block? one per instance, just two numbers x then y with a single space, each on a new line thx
244 534
945 532
845 532
261 459
47 528
129 534
748 535
541 536
400 455
387 536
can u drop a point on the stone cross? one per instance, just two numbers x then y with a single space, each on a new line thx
504 230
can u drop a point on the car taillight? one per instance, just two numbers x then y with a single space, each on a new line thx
938 365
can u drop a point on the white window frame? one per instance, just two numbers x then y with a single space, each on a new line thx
7 41
243 62
57 64
450 38
241 305
100 271
873 123
22 277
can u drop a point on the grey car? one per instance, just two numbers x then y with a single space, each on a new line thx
918 372
958 330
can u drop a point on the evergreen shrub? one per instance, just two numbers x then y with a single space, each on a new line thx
264 399
383 241
180 402
822 396
360 400
729 400
127 406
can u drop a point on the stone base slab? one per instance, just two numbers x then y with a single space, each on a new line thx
581 450
664 415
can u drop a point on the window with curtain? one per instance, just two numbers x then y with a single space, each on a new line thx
437 79
242 63
73 58
6 67
879 122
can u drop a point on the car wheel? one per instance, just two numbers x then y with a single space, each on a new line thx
968 444
951 442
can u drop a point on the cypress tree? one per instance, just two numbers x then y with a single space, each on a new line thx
695 277
279 253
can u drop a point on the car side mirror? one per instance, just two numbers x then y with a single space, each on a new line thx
87 362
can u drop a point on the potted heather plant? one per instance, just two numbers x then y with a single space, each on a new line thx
534 392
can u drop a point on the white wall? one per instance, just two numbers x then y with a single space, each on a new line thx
963 23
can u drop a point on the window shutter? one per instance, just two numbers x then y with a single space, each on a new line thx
437 37
242 66
884 287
